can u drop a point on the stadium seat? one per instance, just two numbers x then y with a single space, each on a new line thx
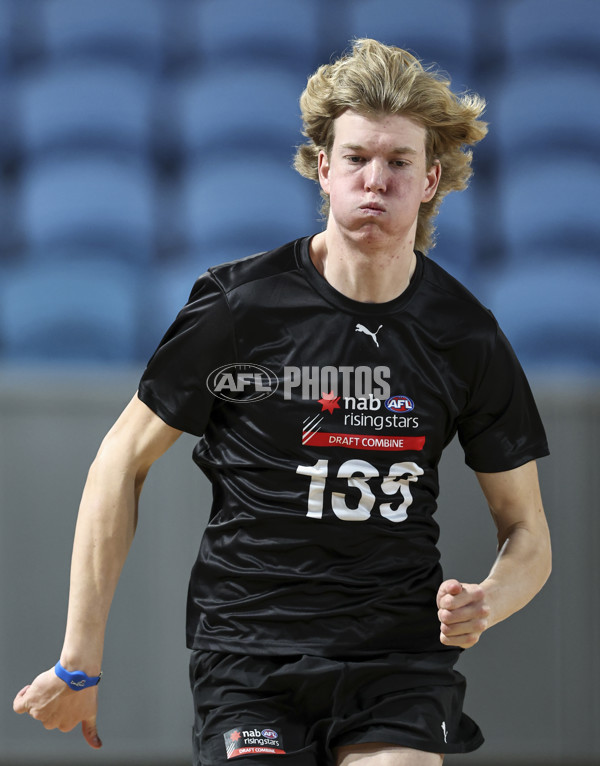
91 200
549 204
9 124
283 33
6 36
548 109
70 312
246 204
551 32
455 241
550 314
26 47
239 109
128 30
10 222
169 287
180 35
434 30
98 104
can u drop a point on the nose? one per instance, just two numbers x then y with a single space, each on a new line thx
375 176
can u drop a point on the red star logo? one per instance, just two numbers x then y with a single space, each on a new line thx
235 736
329 402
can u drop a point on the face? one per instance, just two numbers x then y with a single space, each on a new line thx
376 176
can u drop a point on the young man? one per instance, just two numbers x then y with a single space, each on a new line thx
323 380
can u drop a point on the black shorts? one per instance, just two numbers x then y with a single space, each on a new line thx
296 710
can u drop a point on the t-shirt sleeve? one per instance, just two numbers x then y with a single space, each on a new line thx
500 428
200 339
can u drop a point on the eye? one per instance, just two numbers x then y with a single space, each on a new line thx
354 159
400 163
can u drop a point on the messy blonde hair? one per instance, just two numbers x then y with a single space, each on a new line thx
380 79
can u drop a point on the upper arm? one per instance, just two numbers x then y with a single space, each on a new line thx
515 500
137 439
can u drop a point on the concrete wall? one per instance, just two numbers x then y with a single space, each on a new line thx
533 681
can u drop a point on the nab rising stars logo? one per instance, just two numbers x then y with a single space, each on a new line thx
363 412
252 740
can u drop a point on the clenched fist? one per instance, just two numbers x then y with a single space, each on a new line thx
463 613
50 701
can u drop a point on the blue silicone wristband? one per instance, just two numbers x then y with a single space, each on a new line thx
77 680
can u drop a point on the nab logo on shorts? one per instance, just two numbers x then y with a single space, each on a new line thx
252 740
400 404
242 382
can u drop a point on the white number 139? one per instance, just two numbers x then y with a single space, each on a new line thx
358 473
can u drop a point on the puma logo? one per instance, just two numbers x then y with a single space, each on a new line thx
445 731
362 328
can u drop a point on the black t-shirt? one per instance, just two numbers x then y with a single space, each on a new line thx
321 422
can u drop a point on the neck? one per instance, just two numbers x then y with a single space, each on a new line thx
364 275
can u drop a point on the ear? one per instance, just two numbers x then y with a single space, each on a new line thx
432 181
323 169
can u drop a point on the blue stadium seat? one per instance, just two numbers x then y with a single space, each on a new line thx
552 32
9 125
168 289
548 109
550 205
436 31
86 104
455 235
550 314
130 30
10 223
283 33
26 46
245 205
180 34
70 312
89 201
239 108
6 35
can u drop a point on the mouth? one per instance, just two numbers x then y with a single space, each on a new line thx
373 207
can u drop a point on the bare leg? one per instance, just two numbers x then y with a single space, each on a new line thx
381 754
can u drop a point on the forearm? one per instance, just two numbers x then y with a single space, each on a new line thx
466 610
105 529
104 533
522 567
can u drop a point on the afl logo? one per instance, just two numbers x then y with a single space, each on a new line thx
242 382
400 404
269 733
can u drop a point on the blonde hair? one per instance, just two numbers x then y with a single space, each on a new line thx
380 79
